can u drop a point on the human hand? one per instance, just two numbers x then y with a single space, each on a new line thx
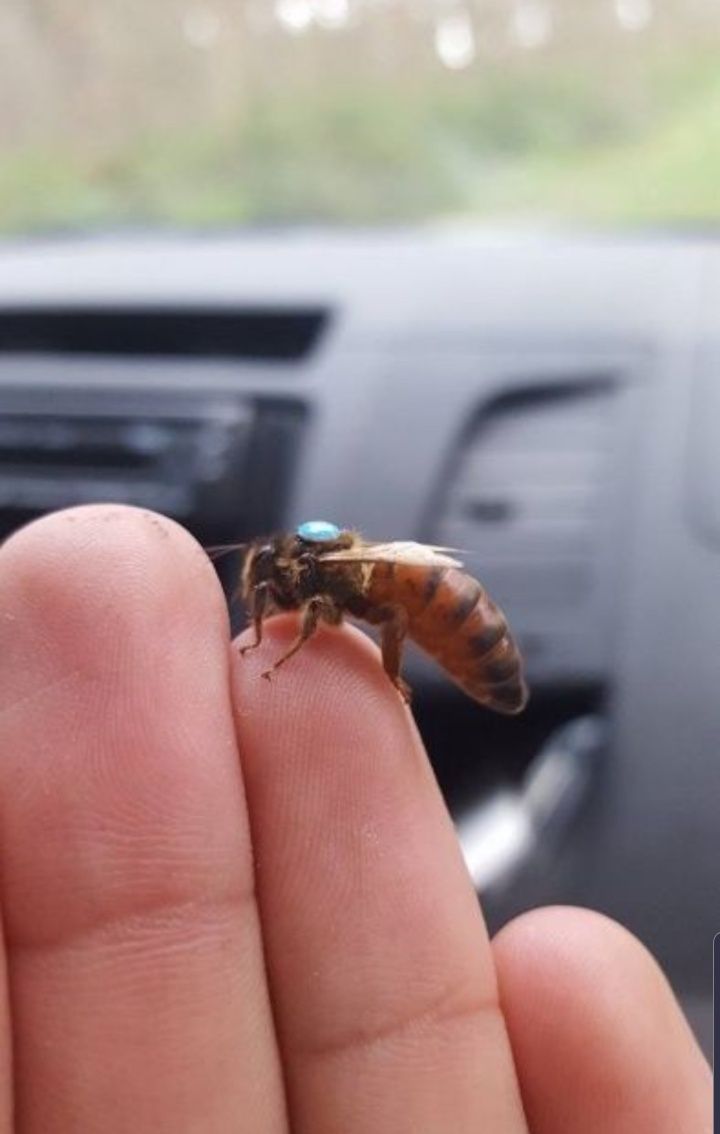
232 905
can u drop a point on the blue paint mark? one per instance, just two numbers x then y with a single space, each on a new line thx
318 531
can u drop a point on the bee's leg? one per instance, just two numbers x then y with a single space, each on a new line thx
258 606
393 633
313 611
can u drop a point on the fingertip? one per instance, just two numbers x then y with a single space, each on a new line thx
336 675
54 549
72 579
571 934
344 645
115 712
580 944
595 1027
112 526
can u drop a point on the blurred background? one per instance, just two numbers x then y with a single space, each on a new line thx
219 112
436 269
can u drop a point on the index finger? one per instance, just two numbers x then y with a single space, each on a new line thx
137 982
380 968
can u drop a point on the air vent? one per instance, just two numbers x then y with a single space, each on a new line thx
246 333
528 492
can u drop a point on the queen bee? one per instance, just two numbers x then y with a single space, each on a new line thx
406 589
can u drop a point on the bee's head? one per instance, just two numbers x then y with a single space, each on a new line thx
283 560
259 566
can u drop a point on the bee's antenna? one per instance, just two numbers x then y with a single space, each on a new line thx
221 549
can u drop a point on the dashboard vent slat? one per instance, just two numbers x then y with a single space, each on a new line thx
269 334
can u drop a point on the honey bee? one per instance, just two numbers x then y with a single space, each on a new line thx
407 589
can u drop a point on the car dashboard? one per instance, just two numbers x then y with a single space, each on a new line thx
546 403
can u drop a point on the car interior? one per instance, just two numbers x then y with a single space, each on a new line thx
543 397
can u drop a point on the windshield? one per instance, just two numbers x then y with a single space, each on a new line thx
221 113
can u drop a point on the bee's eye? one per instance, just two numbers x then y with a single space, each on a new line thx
263 563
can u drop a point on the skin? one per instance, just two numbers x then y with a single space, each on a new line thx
238 905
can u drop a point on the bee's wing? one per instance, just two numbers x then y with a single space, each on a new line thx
407 553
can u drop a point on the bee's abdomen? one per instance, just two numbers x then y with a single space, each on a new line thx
453 619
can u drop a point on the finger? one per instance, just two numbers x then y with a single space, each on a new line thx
135 958
599 1041
381 973
6 1092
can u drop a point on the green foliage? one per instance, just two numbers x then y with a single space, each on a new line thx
553 142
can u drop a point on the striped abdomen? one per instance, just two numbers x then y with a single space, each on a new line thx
451 617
